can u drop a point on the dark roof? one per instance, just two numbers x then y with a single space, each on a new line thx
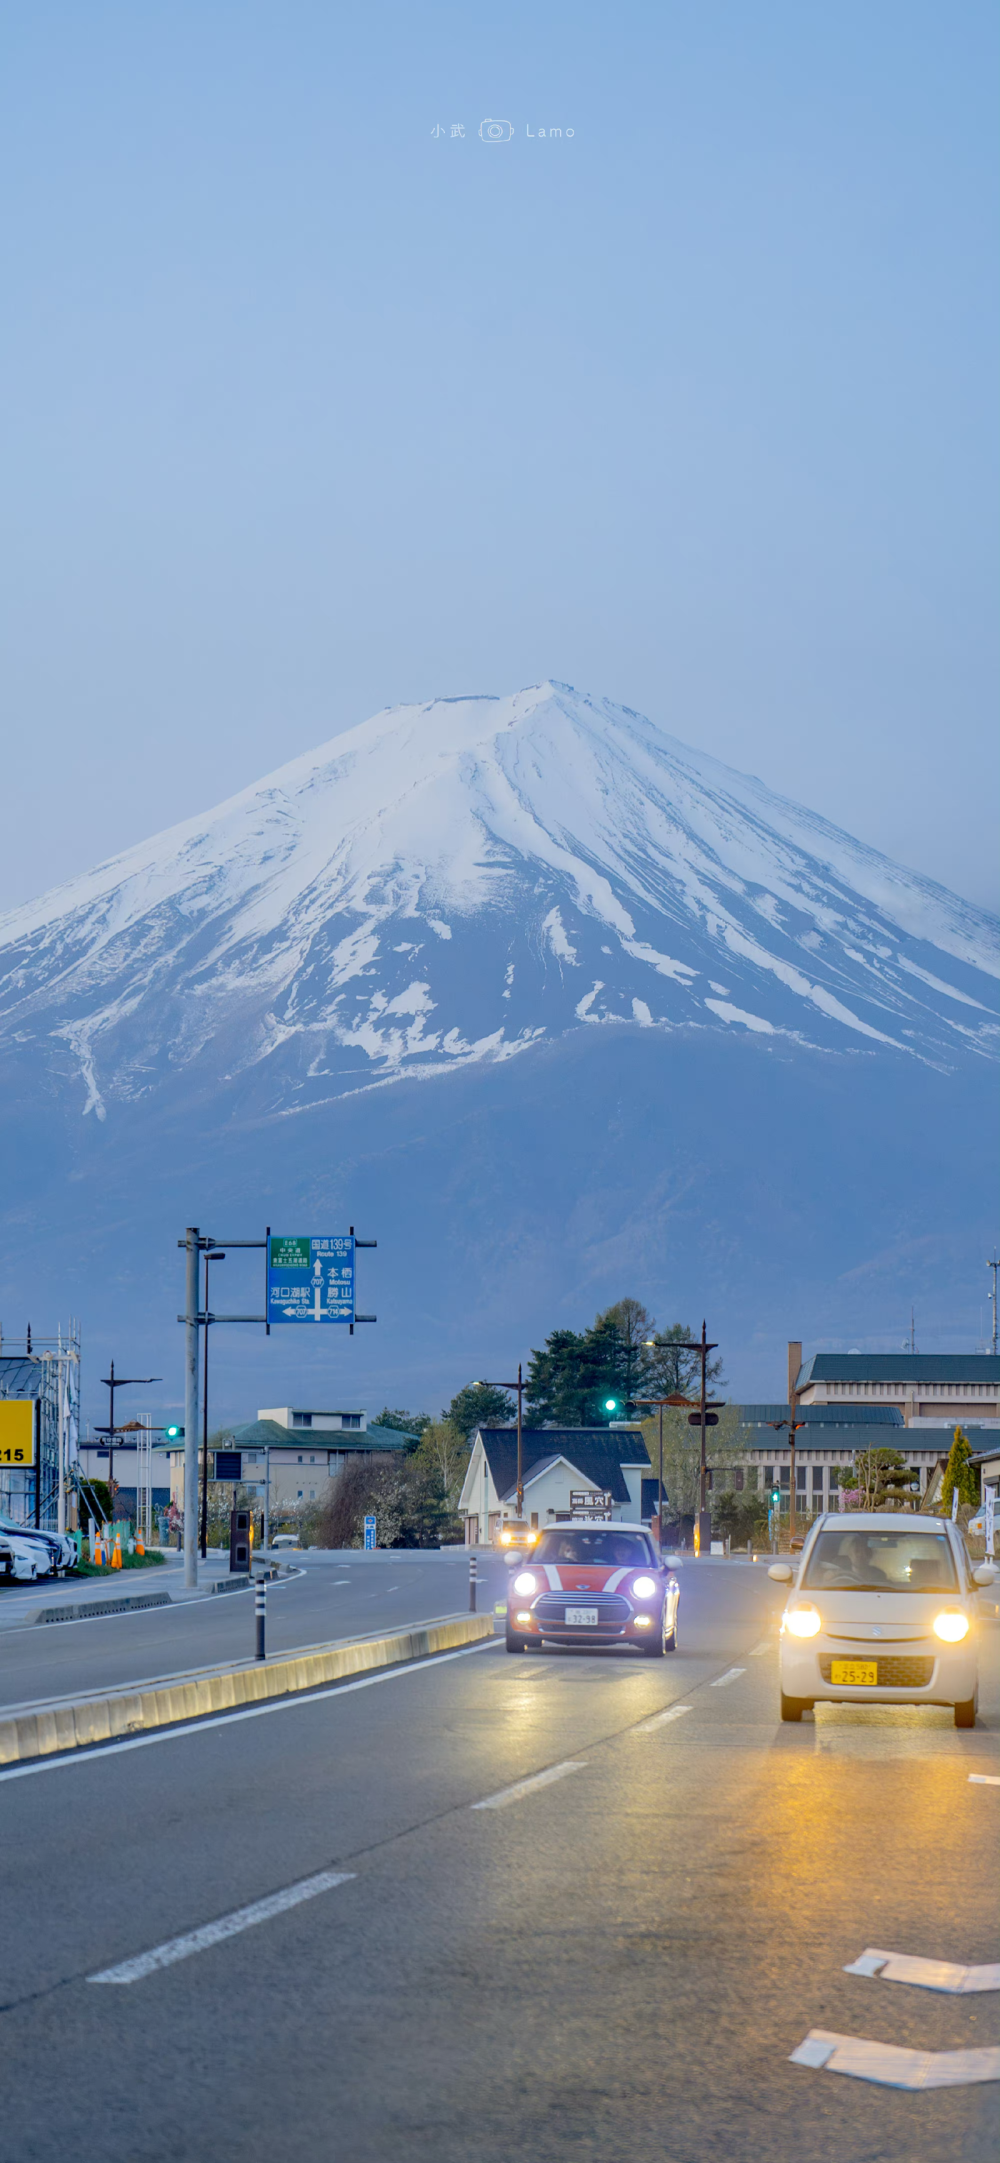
825 1415
900 1367
382 1436
597 1452
259 1432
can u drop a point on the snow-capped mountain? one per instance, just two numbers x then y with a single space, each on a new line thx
453 883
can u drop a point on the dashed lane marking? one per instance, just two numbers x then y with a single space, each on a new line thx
758 1651
659 1719
730 1676
985 1779
893 2067
527 1787
227 1926
926 1974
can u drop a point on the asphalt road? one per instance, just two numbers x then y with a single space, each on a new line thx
334 1595
614 1964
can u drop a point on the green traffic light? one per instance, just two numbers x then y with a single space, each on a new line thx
174 1434
611 1404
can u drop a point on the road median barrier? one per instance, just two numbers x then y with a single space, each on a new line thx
78 1724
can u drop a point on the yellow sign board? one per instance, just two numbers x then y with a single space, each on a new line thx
17 1431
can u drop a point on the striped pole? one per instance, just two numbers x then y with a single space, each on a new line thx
260 1612
472 1582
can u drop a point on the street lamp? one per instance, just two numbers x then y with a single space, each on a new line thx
520 1387
212 1254
112 1382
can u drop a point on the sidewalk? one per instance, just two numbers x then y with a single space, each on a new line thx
22 1606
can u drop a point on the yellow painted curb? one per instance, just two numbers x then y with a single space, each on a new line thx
55 1728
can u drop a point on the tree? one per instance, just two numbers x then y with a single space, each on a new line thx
739 1517
682 1455
571 1379
881 1479
479 1404
404 1497
960 1473
443 1452
403 1422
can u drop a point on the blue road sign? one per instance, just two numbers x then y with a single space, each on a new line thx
310 1280
369 1534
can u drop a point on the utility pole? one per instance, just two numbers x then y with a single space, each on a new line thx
520 1386
112 1382
192 1243
793 1425
994 1264
212 1254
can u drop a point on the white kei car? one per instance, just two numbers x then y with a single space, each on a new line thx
883 1611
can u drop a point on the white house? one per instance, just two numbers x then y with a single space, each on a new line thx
558 1462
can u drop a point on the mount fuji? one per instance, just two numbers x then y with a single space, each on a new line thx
571 1008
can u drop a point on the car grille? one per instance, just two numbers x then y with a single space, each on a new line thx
612 1611
899 1674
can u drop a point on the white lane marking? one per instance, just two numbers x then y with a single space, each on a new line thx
252 1712
227 1926
730 1676
985 1779
758 1651
927 1974
659 1719
893 2067
527 1787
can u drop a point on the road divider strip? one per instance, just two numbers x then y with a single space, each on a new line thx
54 1730
926 1974
527 1787
892 2067
227 1926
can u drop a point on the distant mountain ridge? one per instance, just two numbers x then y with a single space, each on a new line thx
452 883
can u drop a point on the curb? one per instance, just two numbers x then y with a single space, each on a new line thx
79 1610
53 1730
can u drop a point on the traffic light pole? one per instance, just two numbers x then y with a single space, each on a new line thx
192 1247
520 1385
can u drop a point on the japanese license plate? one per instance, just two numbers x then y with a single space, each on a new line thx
855 1674
584 1617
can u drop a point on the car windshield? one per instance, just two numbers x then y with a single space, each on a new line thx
870 1561
599 1544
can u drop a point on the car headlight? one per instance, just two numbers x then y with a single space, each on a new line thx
643 1587
505 1539
803 1621
951 1627
524 1583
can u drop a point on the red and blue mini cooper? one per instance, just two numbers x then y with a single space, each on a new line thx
593 1584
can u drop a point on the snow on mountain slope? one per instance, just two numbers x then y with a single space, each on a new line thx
452 882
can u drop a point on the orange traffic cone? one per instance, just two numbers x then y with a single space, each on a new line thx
116 1552
140 1545
98 1550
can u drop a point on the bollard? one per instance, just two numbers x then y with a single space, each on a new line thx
260 1611
472 1582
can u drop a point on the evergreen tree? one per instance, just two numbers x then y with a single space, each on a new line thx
479 1404
402 1422
959 1473
621 1355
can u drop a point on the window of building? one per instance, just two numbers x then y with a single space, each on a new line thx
350 1419
800 1476
769 1475
785 1476
302 1419
817 1479
738 1479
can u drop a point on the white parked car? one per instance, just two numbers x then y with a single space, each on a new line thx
883 1611
20 1558
56 1551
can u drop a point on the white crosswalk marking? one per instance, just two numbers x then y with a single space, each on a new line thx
926 1974
892 2067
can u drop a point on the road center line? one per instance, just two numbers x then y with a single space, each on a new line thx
251 1712
926 1974
659 1719
730 1676
227 1926
985 1779
527 1787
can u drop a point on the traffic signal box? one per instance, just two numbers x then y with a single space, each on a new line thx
240 1540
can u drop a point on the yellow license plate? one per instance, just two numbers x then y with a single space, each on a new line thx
854 1673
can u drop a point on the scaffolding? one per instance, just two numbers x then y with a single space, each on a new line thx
45 1370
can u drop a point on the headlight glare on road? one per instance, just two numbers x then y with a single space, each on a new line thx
643 1588
951 1627
803 1621
524 1583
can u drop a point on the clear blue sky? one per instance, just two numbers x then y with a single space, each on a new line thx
310 410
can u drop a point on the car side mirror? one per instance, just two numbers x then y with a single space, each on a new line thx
986 1574
781 1572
